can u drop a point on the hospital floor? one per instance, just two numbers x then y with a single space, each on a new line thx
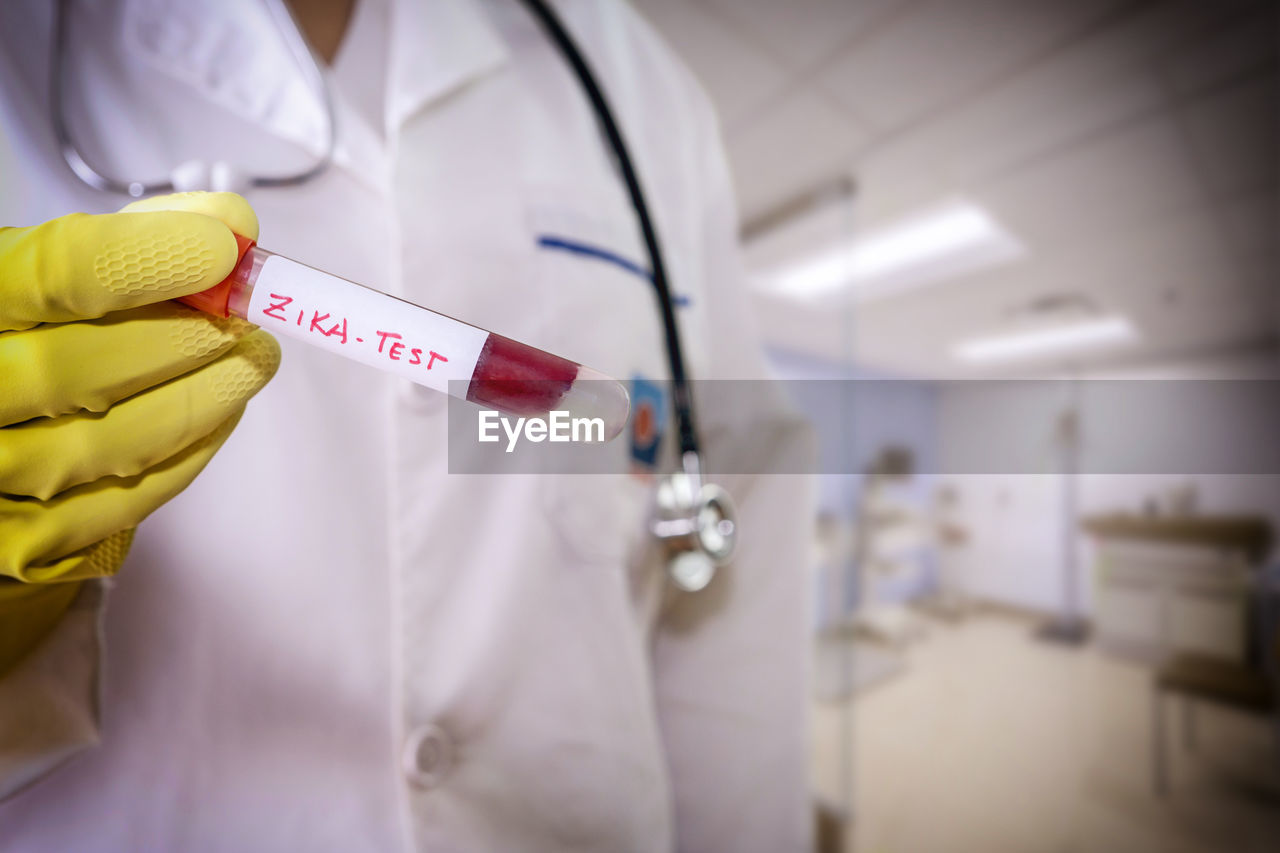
991 741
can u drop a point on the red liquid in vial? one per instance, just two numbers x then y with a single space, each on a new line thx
519 379
508 376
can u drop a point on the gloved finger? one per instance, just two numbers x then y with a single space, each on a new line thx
80 267
99 560
66 367
46 456
29 611
38 536
230 209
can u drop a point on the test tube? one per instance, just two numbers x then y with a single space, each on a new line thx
424 346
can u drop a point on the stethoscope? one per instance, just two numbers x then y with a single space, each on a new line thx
693 520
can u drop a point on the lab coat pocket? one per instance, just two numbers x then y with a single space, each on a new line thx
593 272
600 520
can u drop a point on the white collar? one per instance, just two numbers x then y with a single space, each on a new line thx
231 52
437 46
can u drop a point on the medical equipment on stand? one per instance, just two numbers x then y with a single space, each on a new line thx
888 531
694 520
950 601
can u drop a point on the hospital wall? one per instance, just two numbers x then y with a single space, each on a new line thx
1019 526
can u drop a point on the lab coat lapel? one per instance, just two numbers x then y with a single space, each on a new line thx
437 46
360 149
232 54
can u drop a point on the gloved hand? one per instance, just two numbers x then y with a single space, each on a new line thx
112 399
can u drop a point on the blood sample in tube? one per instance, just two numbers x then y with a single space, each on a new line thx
424 346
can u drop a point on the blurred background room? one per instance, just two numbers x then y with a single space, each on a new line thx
1025 640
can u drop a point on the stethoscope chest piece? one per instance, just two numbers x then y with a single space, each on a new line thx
696 524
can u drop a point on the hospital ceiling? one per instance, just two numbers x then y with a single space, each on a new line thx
1130 146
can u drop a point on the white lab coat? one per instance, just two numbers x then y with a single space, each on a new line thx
328 642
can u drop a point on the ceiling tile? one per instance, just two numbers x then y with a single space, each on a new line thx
796 144
1245 44
1172 276
1250 227
1126 155
1200 319
1167 274
738 76
803 33
943 50
1233 133
1087 195
1072 100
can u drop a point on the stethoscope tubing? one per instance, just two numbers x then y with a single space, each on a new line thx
682 396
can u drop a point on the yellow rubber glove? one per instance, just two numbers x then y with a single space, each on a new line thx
112 399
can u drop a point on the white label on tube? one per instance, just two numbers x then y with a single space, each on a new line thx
362 324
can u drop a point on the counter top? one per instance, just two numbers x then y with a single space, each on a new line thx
1250 534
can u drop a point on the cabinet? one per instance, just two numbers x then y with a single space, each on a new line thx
1174 586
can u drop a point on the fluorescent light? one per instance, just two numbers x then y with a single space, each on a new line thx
1091 334
953 238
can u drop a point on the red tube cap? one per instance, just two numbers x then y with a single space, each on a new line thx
215 300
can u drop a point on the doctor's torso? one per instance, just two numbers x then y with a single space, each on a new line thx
327 641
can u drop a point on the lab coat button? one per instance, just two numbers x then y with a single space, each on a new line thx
428 756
